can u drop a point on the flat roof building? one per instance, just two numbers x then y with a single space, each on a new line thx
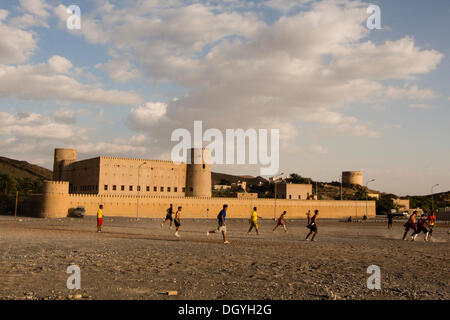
127 176
294 191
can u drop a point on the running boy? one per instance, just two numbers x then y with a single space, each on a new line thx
410 224
99 218
313 226
431 222
281 222
221 224
421 227
177 221
168 216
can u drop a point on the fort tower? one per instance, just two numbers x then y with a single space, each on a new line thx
198 173
62 159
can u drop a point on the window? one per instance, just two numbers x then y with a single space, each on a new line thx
162 189
168 189
138 188
290 196
114 187
192 189
175 189
148 189
122 188
184 189
131 188
299 196
203 166
155 188
106 187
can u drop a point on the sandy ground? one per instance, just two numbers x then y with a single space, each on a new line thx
139 260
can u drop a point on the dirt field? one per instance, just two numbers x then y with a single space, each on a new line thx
139 260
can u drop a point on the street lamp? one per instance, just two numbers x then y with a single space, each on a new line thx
367 194
275 207
340 180
139 189
432 196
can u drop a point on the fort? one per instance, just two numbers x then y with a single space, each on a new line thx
123 184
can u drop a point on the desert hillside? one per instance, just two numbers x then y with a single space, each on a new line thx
22 169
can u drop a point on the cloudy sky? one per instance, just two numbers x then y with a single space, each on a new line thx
344 97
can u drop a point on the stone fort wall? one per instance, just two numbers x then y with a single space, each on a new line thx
56 203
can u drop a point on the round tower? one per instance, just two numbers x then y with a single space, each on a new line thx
198 173
352 177
62 158
55 199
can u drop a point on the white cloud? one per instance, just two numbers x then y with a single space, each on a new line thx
34 136
420 106
410 92
53 81
240 71
27 21
119 69
340 124
284 5
34 126
66 116
59 64
144 116
39 8
16 45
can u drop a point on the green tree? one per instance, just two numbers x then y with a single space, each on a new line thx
296 178
8 184
361 193
224 182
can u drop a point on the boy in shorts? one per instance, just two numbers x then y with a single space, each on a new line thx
221 224
177 221
312 226
168 216
281 222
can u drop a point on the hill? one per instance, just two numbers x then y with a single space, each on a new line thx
22 169
218 177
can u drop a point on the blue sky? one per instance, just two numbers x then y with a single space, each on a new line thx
344 97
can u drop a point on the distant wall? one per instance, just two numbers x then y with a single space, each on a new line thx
443 214
56 202
30 206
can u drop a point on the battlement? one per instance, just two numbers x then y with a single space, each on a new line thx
57 182
61 187
139 159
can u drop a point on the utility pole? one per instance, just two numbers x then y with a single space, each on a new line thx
275 187
317 192
139 189
15 210
432 196
340 180
367 195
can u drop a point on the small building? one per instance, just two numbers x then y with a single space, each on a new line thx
247 195
221 187
374 195
403 204
239 185
294 191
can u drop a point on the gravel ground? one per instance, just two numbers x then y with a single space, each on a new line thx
139 260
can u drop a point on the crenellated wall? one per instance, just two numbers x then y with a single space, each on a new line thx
54 199
57 202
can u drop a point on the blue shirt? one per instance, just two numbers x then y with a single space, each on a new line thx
222 215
